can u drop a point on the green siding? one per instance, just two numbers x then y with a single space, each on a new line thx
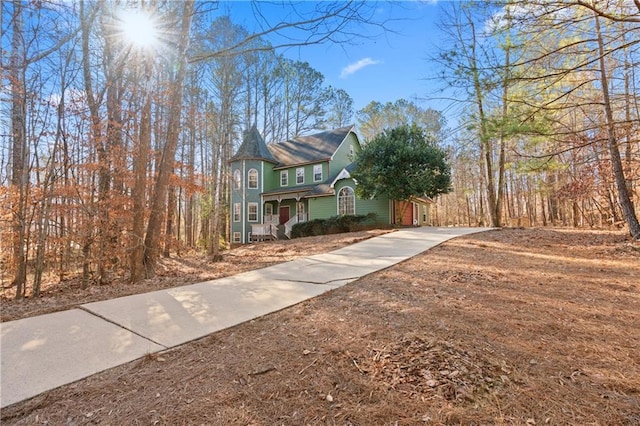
325 207
342 157
322 207
291 173
269 180
378 206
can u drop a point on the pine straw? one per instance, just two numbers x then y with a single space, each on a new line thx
505 327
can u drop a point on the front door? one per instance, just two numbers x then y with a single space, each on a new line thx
284 214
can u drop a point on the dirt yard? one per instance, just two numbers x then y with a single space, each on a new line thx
527 327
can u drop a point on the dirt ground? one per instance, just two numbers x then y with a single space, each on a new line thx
514 326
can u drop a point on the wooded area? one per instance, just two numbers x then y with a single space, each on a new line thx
551 134
114 153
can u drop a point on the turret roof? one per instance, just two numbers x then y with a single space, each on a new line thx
253 147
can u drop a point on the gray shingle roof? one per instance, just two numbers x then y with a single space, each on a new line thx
308 149
253 147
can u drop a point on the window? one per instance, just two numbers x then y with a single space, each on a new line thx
317 172
284 178
346 201
268 209
252 212
351 151
236 237
236 212
253 179
300 175
237 179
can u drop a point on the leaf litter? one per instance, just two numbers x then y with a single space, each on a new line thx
513 326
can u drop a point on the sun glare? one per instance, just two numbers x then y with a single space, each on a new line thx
139 29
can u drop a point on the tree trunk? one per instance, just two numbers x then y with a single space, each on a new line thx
171 213
624 199
19 171
140 162
95 136
168 154
486 147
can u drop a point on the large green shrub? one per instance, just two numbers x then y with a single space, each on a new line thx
334 225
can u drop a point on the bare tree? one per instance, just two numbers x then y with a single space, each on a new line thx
158 199
19 164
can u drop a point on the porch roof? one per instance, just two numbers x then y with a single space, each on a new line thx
298 193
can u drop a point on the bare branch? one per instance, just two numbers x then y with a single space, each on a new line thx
609 16
319 29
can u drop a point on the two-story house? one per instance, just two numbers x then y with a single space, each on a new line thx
278 185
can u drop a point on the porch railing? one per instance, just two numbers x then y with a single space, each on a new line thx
264 231
271 218
299 218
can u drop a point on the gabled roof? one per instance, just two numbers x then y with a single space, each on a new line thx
253 147
309 149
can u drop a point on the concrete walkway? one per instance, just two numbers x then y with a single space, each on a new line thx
42 353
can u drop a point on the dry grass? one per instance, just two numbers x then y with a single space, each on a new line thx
505 327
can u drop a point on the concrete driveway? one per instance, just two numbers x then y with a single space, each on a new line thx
41 353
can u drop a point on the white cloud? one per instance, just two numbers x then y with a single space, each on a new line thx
357 66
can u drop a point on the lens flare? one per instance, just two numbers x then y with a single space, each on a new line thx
139 29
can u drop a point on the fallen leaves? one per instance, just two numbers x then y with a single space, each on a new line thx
420 367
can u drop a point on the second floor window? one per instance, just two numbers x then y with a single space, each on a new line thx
284 178
237 179
253 179
300 175
317 172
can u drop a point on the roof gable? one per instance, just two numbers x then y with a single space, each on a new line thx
309 149
253 147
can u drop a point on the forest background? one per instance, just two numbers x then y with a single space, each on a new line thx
114 151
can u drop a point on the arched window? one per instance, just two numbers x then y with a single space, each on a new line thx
253 179
346 201
237 179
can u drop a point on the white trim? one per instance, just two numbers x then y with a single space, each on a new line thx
244 200
338 200
239 213
257 206
344 174
286 174
249 178
236 237
261 183
237 183
302 175
352 130
314 172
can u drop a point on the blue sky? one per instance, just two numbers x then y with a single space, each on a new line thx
386 67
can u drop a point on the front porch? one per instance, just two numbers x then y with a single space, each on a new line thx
278 220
